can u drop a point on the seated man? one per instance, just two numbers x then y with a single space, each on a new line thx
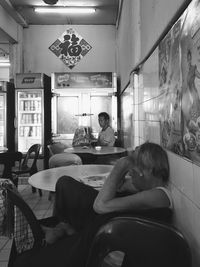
106 136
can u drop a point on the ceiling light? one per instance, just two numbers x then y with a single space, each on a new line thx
50 2
4 64
64 10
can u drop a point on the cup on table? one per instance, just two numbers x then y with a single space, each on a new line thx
98 148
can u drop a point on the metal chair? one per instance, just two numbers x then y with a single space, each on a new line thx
144 242
30 167
21 223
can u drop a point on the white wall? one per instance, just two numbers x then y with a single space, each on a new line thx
124 44
8 26
11 34
38 58
185 176
155 15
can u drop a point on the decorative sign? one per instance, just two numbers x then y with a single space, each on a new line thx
82 80
70 47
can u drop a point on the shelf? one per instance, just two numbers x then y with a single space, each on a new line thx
30 124
29 111
33 98
30 137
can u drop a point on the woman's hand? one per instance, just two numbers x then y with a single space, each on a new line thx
127 186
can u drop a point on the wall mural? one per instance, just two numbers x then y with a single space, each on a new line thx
179 77
70 47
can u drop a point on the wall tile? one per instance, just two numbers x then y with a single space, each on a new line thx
183 213
196 171
181 173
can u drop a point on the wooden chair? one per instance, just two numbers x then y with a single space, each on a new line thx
29 163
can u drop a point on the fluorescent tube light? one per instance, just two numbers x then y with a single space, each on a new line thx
65 10
4 64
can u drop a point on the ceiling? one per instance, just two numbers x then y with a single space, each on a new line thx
23 11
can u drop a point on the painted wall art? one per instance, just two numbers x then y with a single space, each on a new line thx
179 76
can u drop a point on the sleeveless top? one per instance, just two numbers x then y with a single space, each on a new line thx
168 194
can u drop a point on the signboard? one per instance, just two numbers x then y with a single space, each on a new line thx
82 80
29 80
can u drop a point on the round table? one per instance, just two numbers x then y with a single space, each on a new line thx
105 155
46 179
105 150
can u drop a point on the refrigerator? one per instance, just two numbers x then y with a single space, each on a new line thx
7 115
33 112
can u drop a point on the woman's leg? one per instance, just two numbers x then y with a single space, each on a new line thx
74 202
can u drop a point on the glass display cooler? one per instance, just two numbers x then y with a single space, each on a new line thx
77 100
33 112
7 115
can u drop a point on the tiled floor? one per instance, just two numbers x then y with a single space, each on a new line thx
42 208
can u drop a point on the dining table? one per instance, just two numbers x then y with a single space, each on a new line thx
96 154
91 174
99 150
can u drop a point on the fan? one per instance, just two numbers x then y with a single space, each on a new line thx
50 2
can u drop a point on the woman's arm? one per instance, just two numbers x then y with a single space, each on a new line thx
113 182
153 198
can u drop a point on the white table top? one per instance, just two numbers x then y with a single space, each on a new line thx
46 179
105 150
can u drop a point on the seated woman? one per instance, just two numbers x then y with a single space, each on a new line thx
137 182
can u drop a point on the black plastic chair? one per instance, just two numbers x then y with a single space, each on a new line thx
27 167
145 243
9 159
24 227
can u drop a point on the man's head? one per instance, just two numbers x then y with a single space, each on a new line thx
103 120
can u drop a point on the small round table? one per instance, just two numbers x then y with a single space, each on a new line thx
46 179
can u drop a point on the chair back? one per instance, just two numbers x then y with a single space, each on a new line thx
33 149
143 242
25 215
56 148
8 159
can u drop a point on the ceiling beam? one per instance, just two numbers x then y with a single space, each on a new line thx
13 13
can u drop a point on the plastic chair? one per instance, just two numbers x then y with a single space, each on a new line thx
30 168
24 227
56 148
145 243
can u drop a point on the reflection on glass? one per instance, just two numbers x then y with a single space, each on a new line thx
2 120
29 119
67 122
